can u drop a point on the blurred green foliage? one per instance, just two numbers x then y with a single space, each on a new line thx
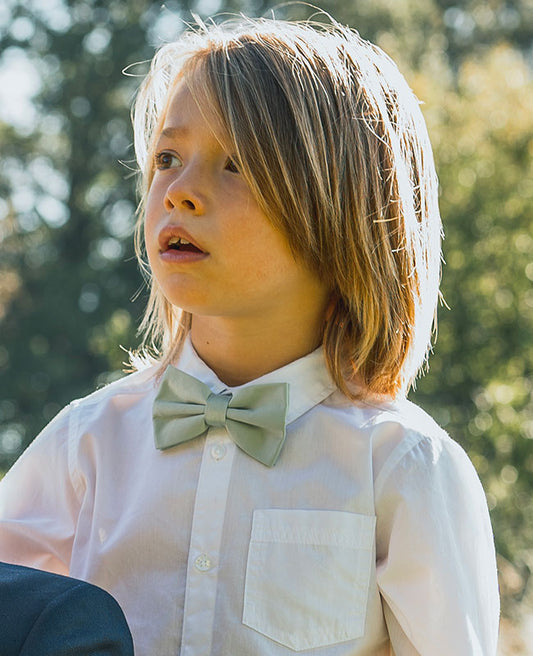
67 209
480 382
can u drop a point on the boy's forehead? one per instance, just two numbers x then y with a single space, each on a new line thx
188 101
181 102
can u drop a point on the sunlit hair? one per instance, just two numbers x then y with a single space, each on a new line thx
332 143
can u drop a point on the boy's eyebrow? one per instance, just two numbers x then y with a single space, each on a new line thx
174 132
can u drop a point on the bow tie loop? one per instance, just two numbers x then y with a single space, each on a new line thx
216 407
254 416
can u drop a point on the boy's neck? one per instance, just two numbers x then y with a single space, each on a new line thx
239 351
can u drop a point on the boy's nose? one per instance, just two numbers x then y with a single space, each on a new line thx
181 195
185 203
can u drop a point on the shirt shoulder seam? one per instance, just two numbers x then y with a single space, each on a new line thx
78 407
119 387
412 439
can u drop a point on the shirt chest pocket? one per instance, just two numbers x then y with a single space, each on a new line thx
307 576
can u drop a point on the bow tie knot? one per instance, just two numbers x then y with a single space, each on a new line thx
216 408
253 416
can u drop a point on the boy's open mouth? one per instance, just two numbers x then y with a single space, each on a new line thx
180 244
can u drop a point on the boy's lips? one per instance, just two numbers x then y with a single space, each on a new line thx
177 245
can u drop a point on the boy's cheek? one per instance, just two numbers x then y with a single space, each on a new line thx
151 230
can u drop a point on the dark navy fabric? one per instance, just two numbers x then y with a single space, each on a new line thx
43 614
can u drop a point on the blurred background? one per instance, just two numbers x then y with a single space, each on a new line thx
71 294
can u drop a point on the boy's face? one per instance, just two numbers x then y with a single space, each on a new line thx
211 249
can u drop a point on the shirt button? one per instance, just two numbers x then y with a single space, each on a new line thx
203 563
218 451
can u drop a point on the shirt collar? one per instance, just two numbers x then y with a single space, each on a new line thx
308 378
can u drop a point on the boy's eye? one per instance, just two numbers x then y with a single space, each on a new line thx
167 160
231 166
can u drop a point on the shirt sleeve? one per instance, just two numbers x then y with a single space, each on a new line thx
39 504
436 565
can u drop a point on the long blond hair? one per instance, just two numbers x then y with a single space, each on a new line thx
333 145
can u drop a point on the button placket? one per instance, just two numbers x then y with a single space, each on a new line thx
206 536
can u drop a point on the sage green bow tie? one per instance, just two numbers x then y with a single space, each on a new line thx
254 416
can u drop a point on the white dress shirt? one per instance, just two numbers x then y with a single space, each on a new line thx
370 536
